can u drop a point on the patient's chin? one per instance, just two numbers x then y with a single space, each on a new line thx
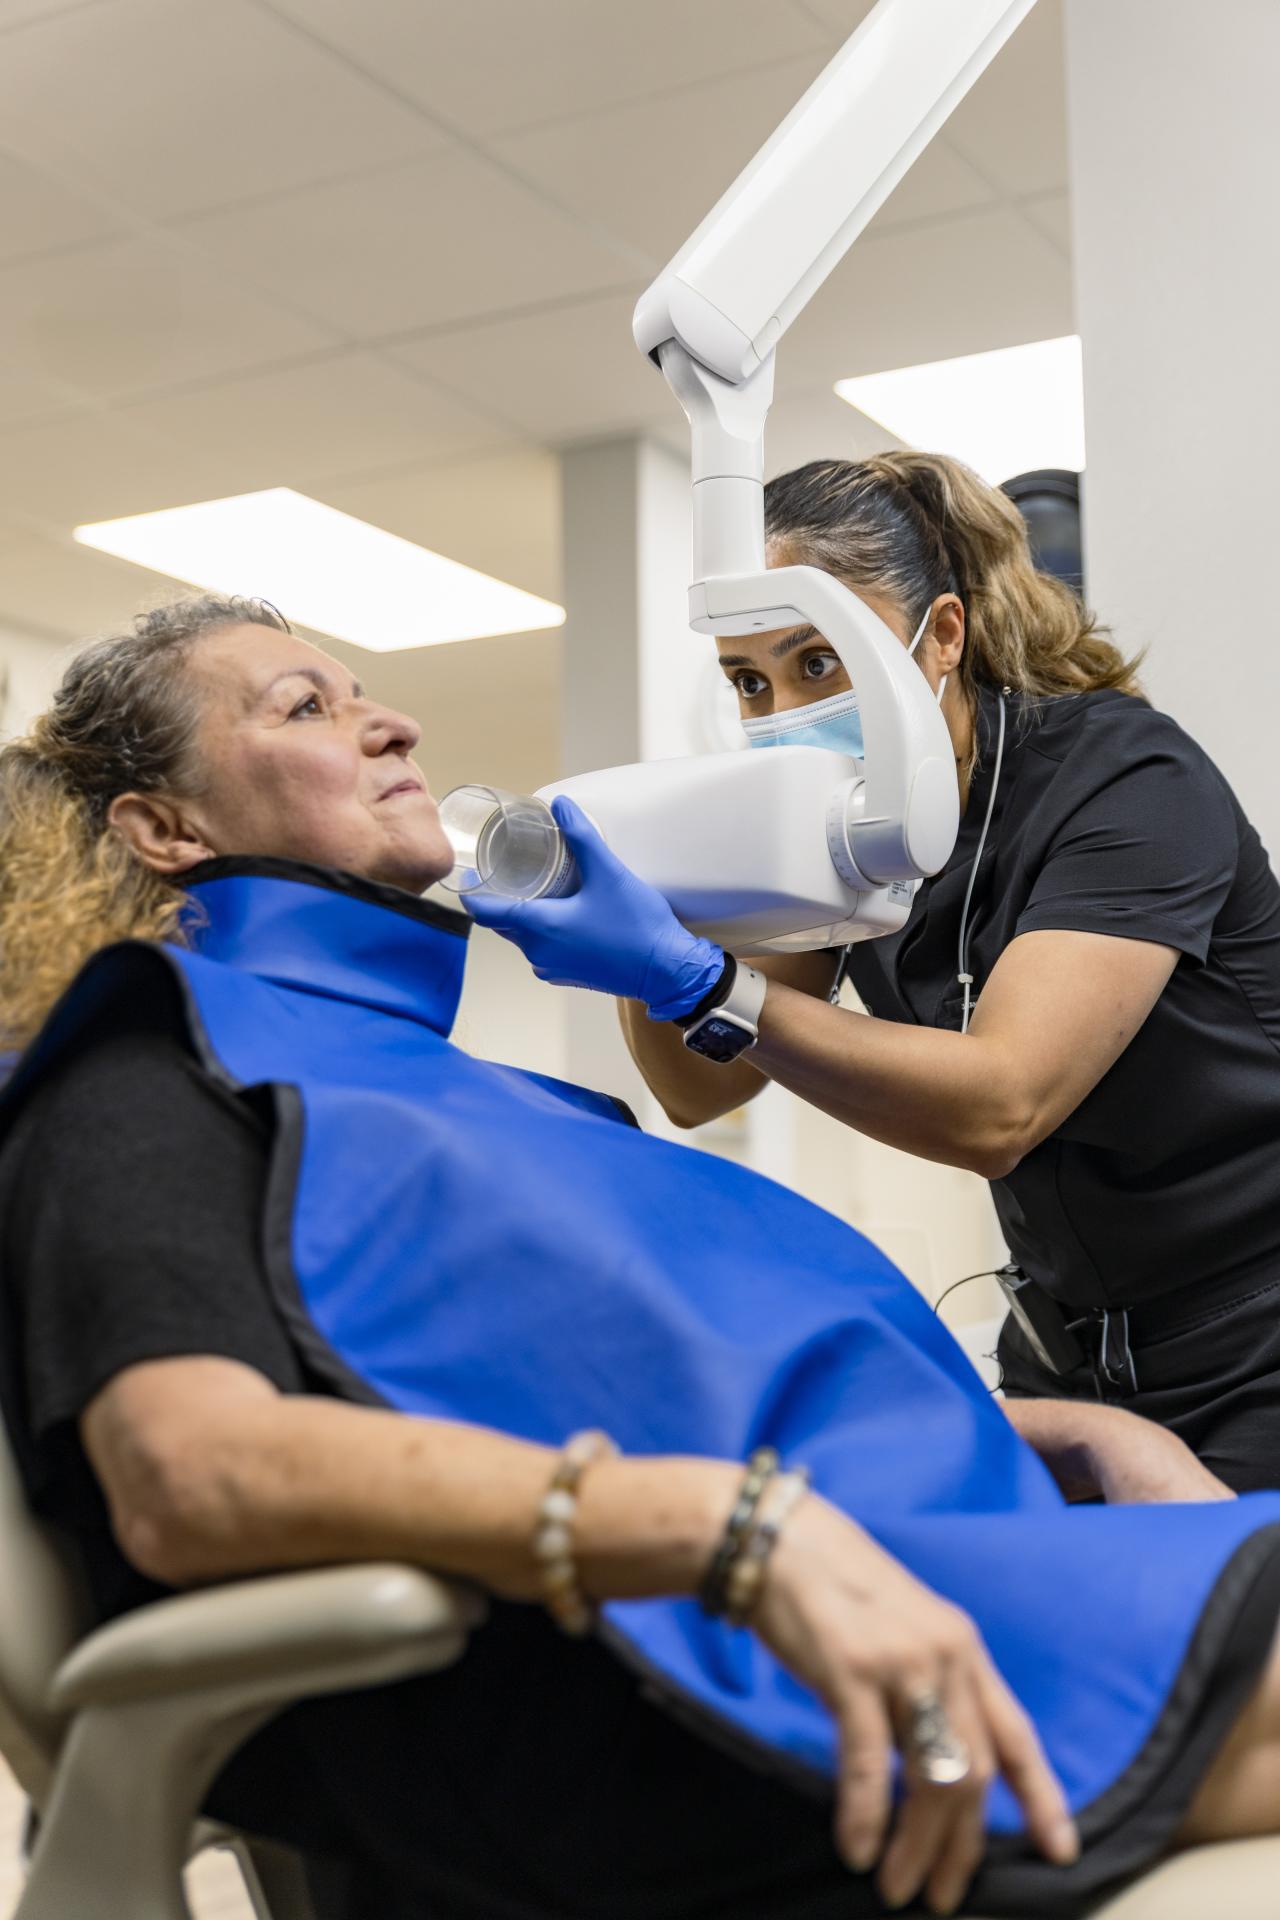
412 870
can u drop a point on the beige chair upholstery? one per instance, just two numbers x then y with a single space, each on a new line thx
116 1734
1236 1880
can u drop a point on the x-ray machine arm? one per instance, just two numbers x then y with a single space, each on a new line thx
712 320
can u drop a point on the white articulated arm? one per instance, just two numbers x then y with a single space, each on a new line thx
712 320
768 244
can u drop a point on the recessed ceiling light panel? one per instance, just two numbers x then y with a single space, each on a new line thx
1002 413
324 569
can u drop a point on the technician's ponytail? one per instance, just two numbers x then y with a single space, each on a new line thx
911 526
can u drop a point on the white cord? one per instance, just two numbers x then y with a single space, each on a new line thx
964 978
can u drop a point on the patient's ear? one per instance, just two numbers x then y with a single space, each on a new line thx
159 832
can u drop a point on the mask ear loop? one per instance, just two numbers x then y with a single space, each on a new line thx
963 977
919 635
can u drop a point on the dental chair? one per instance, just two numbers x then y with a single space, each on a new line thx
116 1732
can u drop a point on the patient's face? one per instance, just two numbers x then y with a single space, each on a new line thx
300 764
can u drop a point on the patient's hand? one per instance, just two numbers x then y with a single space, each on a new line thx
1096 1450
869 1638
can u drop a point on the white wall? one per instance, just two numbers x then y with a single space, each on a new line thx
1175 182
29 671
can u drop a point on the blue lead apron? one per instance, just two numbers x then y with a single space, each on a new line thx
472 1242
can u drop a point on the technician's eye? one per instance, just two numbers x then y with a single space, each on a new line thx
820 666
749 685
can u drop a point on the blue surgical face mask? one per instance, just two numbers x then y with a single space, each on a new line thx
834 722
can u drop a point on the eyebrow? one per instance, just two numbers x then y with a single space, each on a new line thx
798 637
319 680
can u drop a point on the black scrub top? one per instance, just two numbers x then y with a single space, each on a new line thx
1109 819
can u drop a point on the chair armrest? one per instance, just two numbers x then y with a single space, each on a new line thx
358 1623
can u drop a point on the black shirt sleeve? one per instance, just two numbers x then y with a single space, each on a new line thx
131 1192
1146 842
132 1233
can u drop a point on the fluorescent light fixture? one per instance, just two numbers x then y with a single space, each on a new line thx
324 570
1002 413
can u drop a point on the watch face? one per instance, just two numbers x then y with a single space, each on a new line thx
719 1040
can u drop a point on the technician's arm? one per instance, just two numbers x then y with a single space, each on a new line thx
1057 1012
692 1090
1094 1450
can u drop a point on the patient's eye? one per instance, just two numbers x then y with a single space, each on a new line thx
749 685
312 700
820 666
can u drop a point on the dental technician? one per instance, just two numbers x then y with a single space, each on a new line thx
1084 1005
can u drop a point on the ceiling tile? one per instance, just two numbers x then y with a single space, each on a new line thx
56 587
208 104
18 13
115 319
40 215
500 513
345 415
1052 217
492 65
12 535
600 164
23 396
95 466
1013 123
977 281
558 376
436 242
840 17
816 424
937 184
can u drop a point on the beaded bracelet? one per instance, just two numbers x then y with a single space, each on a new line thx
761 1468
746 1572
553 1532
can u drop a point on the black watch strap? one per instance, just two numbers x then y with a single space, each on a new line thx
714 996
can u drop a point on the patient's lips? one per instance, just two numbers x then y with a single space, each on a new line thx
409 785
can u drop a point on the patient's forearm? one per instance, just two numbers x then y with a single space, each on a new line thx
287 1480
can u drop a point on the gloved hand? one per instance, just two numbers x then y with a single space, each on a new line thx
616 933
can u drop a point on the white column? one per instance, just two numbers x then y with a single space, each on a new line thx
1175 181
631 667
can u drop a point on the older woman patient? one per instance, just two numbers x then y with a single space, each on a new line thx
332 1289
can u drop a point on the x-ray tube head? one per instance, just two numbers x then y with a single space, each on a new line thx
758 851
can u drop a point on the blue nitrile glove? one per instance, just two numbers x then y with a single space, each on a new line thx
616 933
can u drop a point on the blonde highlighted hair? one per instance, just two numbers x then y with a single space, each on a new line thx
911 526
123 720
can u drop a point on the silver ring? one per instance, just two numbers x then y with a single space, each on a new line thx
937 1755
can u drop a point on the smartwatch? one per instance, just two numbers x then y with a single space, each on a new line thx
725 1021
